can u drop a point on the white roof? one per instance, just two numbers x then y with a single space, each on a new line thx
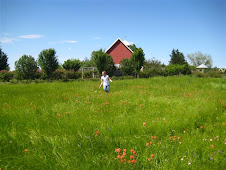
202 66
123 42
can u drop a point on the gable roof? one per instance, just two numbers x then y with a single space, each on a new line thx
202 66
121 42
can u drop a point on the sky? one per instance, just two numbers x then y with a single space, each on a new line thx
75 28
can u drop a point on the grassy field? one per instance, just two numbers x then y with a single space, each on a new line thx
157 123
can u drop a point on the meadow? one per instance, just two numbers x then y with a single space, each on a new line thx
157 123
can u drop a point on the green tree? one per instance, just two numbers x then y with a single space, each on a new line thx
26 67
153 63
103 61
137 59
199 58
72 64
3 61
48 61
126 66
88 62
177 57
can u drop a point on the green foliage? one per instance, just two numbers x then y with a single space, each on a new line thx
152 72
175 69
88 62
103 62
177 57
153 63
126 67
75 125
3 61
26 67
48 61
72 64
6 75
138 59
199 58
61 74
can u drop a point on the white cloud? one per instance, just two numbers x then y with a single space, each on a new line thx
63 42
31 36
6 40
97 38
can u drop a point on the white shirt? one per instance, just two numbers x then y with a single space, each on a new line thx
105 80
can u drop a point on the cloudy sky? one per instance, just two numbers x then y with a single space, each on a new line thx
75 28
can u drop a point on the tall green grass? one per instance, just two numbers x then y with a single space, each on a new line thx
75 125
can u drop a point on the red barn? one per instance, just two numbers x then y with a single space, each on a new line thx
119 50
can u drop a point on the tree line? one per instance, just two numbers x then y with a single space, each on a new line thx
48 65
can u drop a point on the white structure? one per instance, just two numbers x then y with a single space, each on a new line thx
201 68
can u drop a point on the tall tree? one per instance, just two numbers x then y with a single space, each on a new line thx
26 67
138 59
199 58
48 61
103 61
177 57
72 64
3 61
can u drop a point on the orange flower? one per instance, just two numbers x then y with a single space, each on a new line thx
134 161
124 153
131 156
97 133
155 137
144 123
152 155
147 144
149 159
152 137
123 160
118 150
129 161
131 150
124 150
25 150
151 143
122 156
223 123
178 137
134 152
118 156
212 146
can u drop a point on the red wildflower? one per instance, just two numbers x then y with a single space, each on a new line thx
118 150
25 150
97 133
134 161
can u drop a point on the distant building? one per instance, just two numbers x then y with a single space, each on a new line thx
119 50
201 68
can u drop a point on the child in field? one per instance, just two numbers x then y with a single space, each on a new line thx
105 81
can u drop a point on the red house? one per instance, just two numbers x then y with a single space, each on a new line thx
119 50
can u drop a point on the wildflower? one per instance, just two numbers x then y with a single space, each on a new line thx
124 153
129 161
122 156
152 137
179 142
123 160
223 123
97 133
134 152
211 140
134 161
182 159
35 107
144 123
124 150
184 131
155 137
189 163
152 156
25 150
178 137
131 150
151 143
147 144
118 156
212 146
131 156
165 121
118 150
149 159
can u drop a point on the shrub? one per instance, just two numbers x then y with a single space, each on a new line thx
175 69
215 74
6 75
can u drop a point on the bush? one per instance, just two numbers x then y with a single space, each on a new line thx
6 75
175 69
153 72
215 74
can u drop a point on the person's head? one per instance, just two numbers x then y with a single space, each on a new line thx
103 73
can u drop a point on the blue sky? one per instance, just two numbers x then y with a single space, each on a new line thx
75 28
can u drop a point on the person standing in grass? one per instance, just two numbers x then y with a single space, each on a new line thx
105 81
